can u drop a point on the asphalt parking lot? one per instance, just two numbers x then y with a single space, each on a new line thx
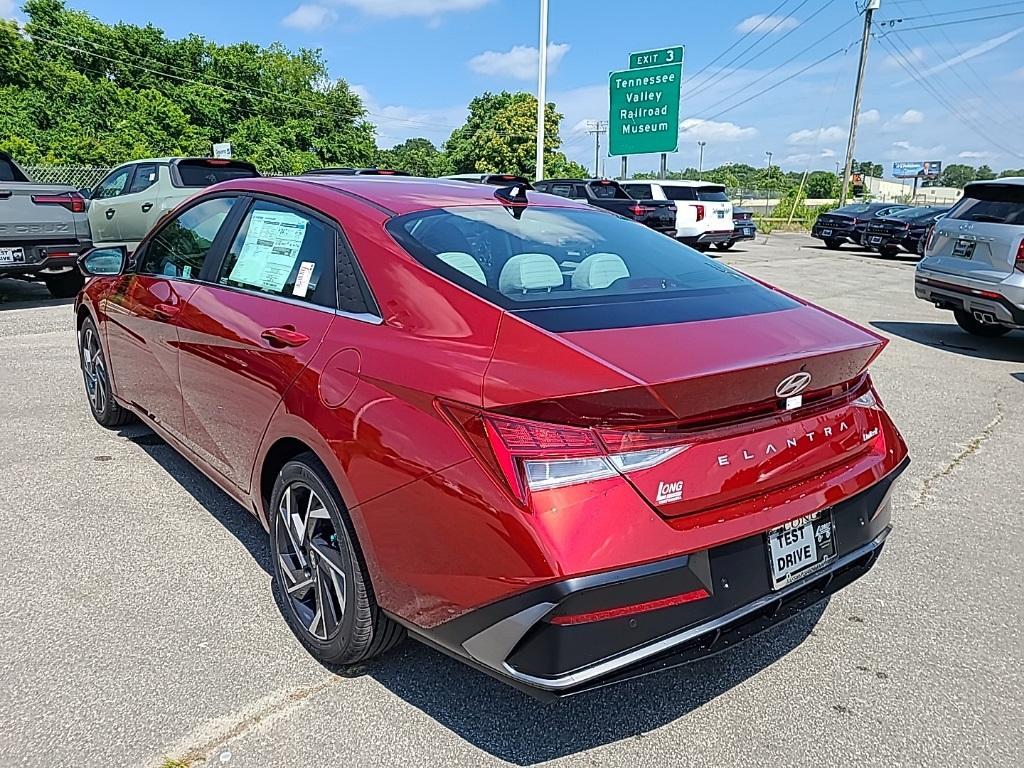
138 623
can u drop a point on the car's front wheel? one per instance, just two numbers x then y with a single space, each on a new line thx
725 246
66 285
988 330
104 408
832 244
323 585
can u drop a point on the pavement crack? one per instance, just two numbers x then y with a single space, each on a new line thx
213 735
970 448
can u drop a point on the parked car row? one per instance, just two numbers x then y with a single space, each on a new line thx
881 227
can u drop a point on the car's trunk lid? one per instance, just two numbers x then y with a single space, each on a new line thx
28 212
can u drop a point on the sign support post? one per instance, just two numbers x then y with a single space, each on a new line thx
625 166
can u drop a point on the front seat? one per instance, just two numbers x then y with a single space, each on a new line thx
529 272
599 270
465 263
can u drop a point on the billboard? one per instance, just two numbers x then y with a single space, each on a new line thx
929 170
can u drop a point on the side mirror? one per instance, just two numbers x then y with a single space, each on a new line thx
103 262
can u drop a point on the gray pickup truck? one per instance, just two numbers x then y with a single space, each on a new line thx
43 229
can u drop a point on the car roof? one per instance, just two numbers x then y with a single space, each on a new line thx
1017 181
577 181
396 194
678 183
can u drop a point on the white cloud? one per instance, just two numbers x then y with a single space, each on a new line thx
971 155
1018 74
395 8
815 135
870 117
710 130
763 23
911 117
905 150
974 52
519 62
307 17
806 158
396 123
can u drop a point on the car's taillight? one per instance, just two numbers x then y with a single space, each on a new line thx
700 212
530 456
639 210
73 201
930 241
1018 263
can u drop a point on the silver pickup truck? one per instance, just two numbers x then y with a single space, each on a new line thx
43 229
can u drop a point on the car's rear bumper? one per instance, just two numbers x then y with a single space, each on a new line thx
708 238
740 233
41 258
527 640
946 293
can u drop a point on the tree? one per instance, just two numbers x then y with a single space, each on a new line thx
1011 172
822 185
958 175
984 173
874 170
76 91
500 136
416 156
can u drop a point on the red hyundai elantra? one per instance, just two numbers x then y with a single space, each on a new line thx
544 439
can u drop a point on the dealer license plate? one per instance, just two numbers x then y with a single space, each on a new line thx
964 249
748 232
12 255
876 239
826 232
800 547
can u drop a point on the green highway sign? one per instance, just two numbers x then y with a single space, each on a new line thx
644 109
656 58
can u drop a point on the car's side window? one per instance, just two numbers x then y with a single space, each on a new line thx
282 251
639 191
145 177
114 184
182 244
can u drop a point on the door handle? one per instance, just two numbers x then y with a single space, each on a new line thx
284 337
110 213
167 311
146 207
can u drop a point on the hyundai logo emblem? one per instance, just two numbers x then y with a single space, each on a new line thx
793 385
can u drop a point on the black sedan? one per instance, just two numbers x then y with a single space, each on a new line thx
848 224
905 229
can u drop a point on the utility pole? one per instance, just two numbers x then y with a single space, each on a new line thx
597 127
869 11
700 162
542 87
768 192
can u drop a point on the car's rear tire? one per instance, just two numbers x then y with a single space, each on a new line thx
66 285
702 247
832 244
324 589
987 330
889 251
725 246
102 405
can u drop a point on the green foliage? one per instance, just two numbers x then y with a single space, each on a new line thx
957 175
76 91
500 136
869 169
984 173
416 156
1011 172
822 185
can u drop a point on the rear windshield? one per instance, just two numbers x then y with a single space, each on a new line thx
855 208
712 194
915 213
680 193
203 173
559 258
992 203
9 171
608 191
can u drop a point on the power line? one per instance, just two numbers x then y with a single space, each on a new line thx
892 22
933 16
746 34
724 69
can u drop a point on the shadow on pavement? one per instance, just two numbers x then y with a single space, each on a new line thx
488 714
950 337
512 726
20 294
1019 376
236 519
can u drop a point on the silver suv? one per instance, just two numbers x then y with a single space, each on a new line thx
974 259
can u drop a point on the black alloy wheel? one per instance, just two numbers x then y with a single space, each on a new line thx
321 580
832 244
104 408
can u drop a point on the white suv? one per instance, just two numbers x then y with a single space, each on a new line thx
703 210
974 259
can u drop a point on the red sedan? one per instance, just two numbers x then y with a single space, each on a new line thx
544 439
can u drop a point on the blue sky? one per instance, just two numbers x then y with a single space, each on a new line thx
418 62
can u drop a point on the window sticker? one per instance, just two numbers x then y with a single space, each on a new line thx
186 272
271 247
302 279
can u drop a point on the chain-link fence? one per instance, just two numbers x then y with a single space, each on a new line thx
76 176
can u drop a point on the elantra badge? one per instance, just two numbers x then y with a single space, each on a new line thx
793 385
669 492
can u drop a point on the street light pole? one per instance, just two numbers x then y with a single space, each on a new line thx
542 87
869 10
768 192
700 162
